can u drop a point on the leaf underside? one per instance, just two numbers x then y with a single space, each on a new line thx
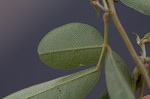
71 46
117 84
74 86
142 6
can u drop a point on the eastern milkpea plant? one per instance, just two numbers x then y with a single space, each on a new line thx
77 44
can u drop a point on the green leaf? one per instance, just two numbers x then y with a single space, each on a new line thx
105 95
74 86
123 68
136 79
146 38
147 35
142 6
117 80
71 46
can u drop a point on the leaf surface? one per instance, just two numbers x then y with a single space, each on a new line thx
105 95
74 86
116 78
71 46
142 6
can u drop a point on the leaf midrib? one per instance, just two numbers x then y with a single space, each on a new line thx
65 82
64 50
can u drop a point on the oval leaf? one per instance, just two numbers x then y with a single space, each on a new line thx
122 68
74 86
118 86
71 46
142 6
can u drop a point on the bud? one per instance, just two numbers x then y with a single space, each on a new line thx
146 38
96 7
138 40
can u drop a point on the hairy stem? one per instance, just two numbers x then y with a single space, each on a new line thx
128 43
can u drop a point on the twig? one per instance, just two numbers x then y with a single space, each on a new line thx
105 18
96 3
128 44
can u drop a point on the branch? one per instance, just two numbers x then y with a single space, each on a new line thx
128 44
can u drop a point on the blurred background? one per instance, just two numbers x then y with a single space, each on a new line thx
23 23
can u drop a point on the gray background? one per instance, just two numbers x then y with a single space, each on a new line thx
23 23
